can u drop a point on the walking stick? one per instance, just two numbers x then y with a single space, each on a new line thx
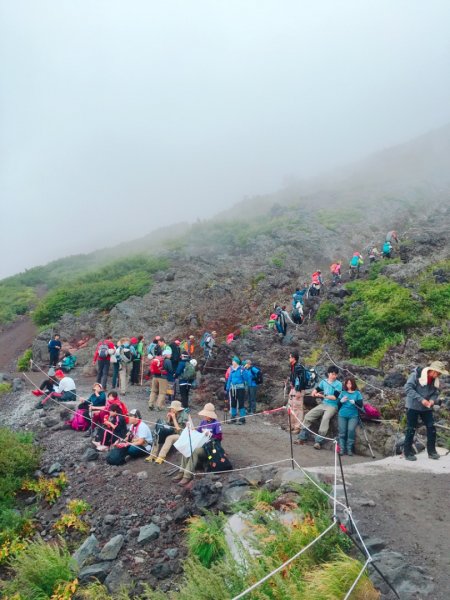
365 435
343 483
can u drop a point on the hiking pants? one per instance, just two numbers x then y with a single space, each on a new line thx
137 451
412 419
252 399
123 377
54 357
115 375
347 429
158 393
185 388
102 372
191 463
168 443
296 406
325 412
135 372
237 400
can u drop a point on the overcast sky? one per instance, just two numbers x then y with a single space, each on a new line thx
117 117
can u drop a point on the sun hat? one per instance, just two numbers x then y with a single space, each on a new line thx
60 374
134 413
193 362
97 385
236 359
208 411
134 340
438 365
176 405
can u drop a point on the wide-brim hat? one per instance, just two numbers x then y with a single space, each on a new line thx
208 411
176 405
438 365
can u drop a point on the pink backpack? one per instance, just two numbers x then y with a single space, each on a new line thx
370 412
79 421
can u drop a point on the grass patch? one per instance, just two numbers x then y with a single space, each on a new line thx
18 459
101 289
23 362
205 538
15 299
5 388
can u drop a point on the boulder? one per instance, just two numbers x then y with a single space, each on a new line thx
235 494
87 549
409 581
17 384
118 578
97 571
89 455
394 379
162 570
148 532
112 548
205 493
55 468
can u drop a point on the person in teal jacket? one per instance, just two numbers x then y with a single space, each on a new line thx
350 403
235 387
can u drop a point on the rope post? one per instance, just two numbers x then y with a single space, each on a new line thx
290 437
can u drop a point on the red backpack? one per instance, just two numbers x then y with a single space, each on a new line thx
157 366
370 412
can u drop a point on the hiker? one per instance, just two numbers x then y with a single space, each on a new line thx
298 295
283 317
387 250
316 283
209 423
188 346
48 386
297 391
336 276
102 357
113 429
392 236
54 348
68 362
207 343
297 314
125 360
115 362
328 390
169 433
350 403
176 353
139 441
137 350
374 255
153 348
80 420
422 391
235 387
65 390
253 376
97 404
113 398
185 374
162 371
355 264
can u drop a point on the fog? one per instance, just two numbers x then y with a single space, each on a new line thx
120 117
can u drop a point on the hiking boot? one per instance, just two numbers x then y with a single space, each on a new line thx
88 433
434 455
184 482
150 458
241 422
411 457
178 477
317 446
159 460
151 407
350 452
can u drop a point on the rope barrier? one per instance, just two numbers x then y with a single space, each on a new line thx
355 583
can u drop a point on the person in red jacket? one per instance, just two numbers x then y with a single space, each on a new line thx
102 356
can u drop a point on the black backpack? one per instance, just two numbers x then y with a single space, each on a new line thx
116 456
257 375
304 378
217 457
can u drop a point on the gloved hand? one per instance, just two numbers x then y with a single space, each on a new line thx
352 401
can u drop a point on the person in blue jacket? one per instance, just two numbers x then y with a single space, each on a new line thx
250 374
235 387
350 403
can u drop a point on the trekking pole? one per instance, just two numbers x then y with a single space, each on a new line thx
344 529
337 448
365 435
290 436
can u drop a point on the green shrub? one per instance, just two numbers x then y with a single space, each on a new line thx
205 538
18 459
433 343
5 388
39 570
15 299
375 313
23 363
100 289
326 311
437 299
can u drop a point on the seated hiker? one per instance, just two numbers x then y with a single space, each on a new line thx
113 429
48 386
169 432
209 423
139 440
113 398
329 390
68 362
80 420
97 402
350 399
65 390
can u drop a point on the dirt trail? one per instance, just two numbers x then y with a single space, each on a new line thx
15 338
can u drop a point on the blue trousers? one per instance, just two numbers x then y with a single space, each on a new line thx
347 428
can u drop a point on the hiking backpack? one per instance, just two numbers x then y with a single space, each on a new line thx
103 350
386 247
370 412
206 338
257 375
157 366
188 372
125 355
354 261
217 457
304 378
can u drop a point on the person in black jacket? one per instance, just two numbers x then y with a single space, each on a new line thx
54 348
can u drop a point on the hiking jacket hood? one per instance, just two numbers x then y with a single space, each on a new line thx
418 389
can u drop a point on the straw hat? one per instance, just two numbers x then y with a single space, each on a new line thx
176 405
438 365
208 411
